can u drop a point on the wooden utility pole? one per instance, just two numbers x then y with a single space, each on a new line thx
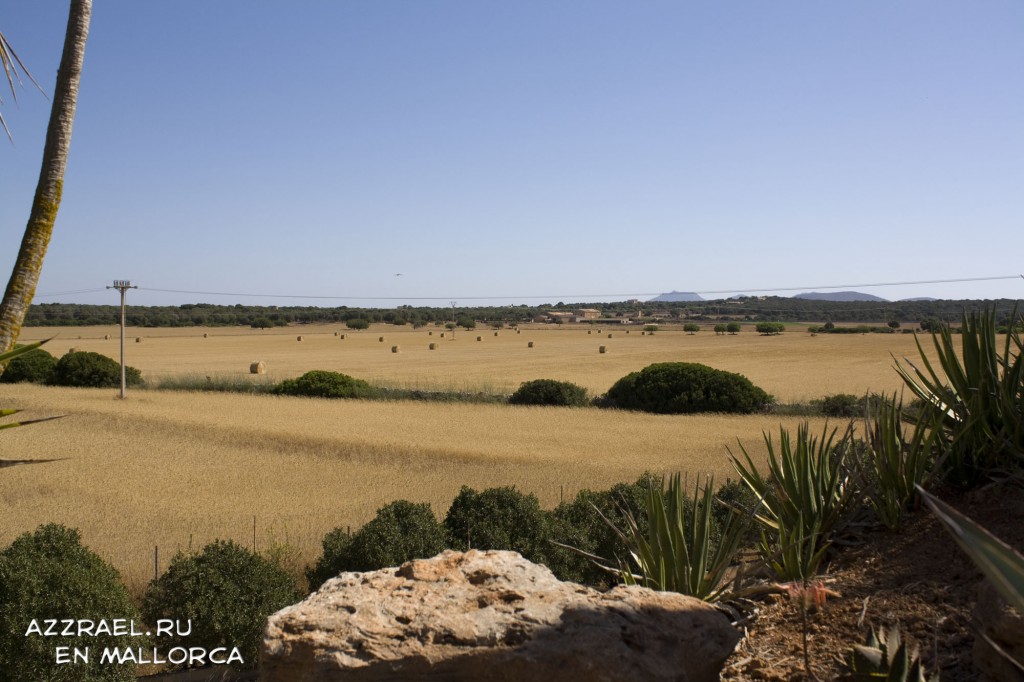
123 286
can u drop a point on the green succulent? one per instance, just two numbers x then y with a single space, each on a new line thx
885 656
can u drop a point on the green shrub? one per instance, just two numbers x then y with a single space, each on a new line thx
35 366
842 405
651 328
733 327
691 328
550 392
357 323
227 592
686 387
91 370
322 384
401 531
499 518
49 574
579 523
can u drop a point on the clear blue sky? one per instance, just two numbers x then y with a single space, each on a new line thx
530 151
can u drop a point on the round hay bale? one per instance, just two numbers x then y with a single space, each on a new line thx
479 338
258 367
394 349
72 350
106 337
602 349
442 335
495 333
433 346
138 339
298 338
335 333
518 332
641 333
609 336
529 344
589 331
381 339
430 333
205 335
342 337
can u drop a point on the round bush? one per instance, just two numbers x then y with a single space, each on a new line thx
685 388
357 323
322 384
91 370
841 405
549 392
227 592
400 532
35 366
499 518
49 574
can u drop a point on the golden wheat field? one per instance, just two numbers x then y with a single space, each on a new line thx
178 469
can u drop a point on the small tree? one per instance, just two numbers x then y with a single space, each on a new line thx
770 328
691 328
261 323
720 329
357 323
733 327
499 518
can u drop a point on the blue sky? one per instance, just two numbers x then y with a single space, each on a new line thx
525 152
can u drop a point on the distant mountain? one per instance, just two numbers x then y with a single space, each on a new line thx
839 296
673 296
919 298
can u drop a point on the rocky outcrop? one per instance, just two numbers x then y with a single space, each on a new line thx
491 616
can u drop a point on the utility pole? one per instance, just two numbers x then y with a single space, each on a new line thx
123 286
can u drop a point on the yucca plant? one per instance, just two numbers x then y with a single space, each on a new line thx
681 550
885 656
978 400
804 498
895 462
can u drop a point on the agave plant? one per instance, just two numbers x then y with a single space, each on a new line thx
804 499
885 656
977 401
896 463
681 550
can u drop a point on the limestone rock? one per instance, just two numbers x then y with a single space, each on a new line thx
491 616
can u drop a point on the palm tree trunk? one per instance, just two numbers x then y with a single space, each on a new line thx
22 286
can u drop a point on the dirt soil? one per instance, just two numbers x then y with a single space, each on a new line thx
917 578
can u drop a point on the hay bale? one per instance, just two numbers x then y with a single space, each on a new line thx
205 335
479 338
641 333
342 337
433 346
335 333
298 338
495 333
442 335
430 333
589 331
602 349
609 336
72 350
138 339
394 349
529 344
106 337
258 367
381 339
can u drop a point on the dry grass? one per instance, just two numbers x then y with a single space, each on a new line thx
174 469
793 367
179 469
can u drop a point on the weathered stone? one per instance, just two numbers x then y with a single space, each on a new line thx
1002 624
491 616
